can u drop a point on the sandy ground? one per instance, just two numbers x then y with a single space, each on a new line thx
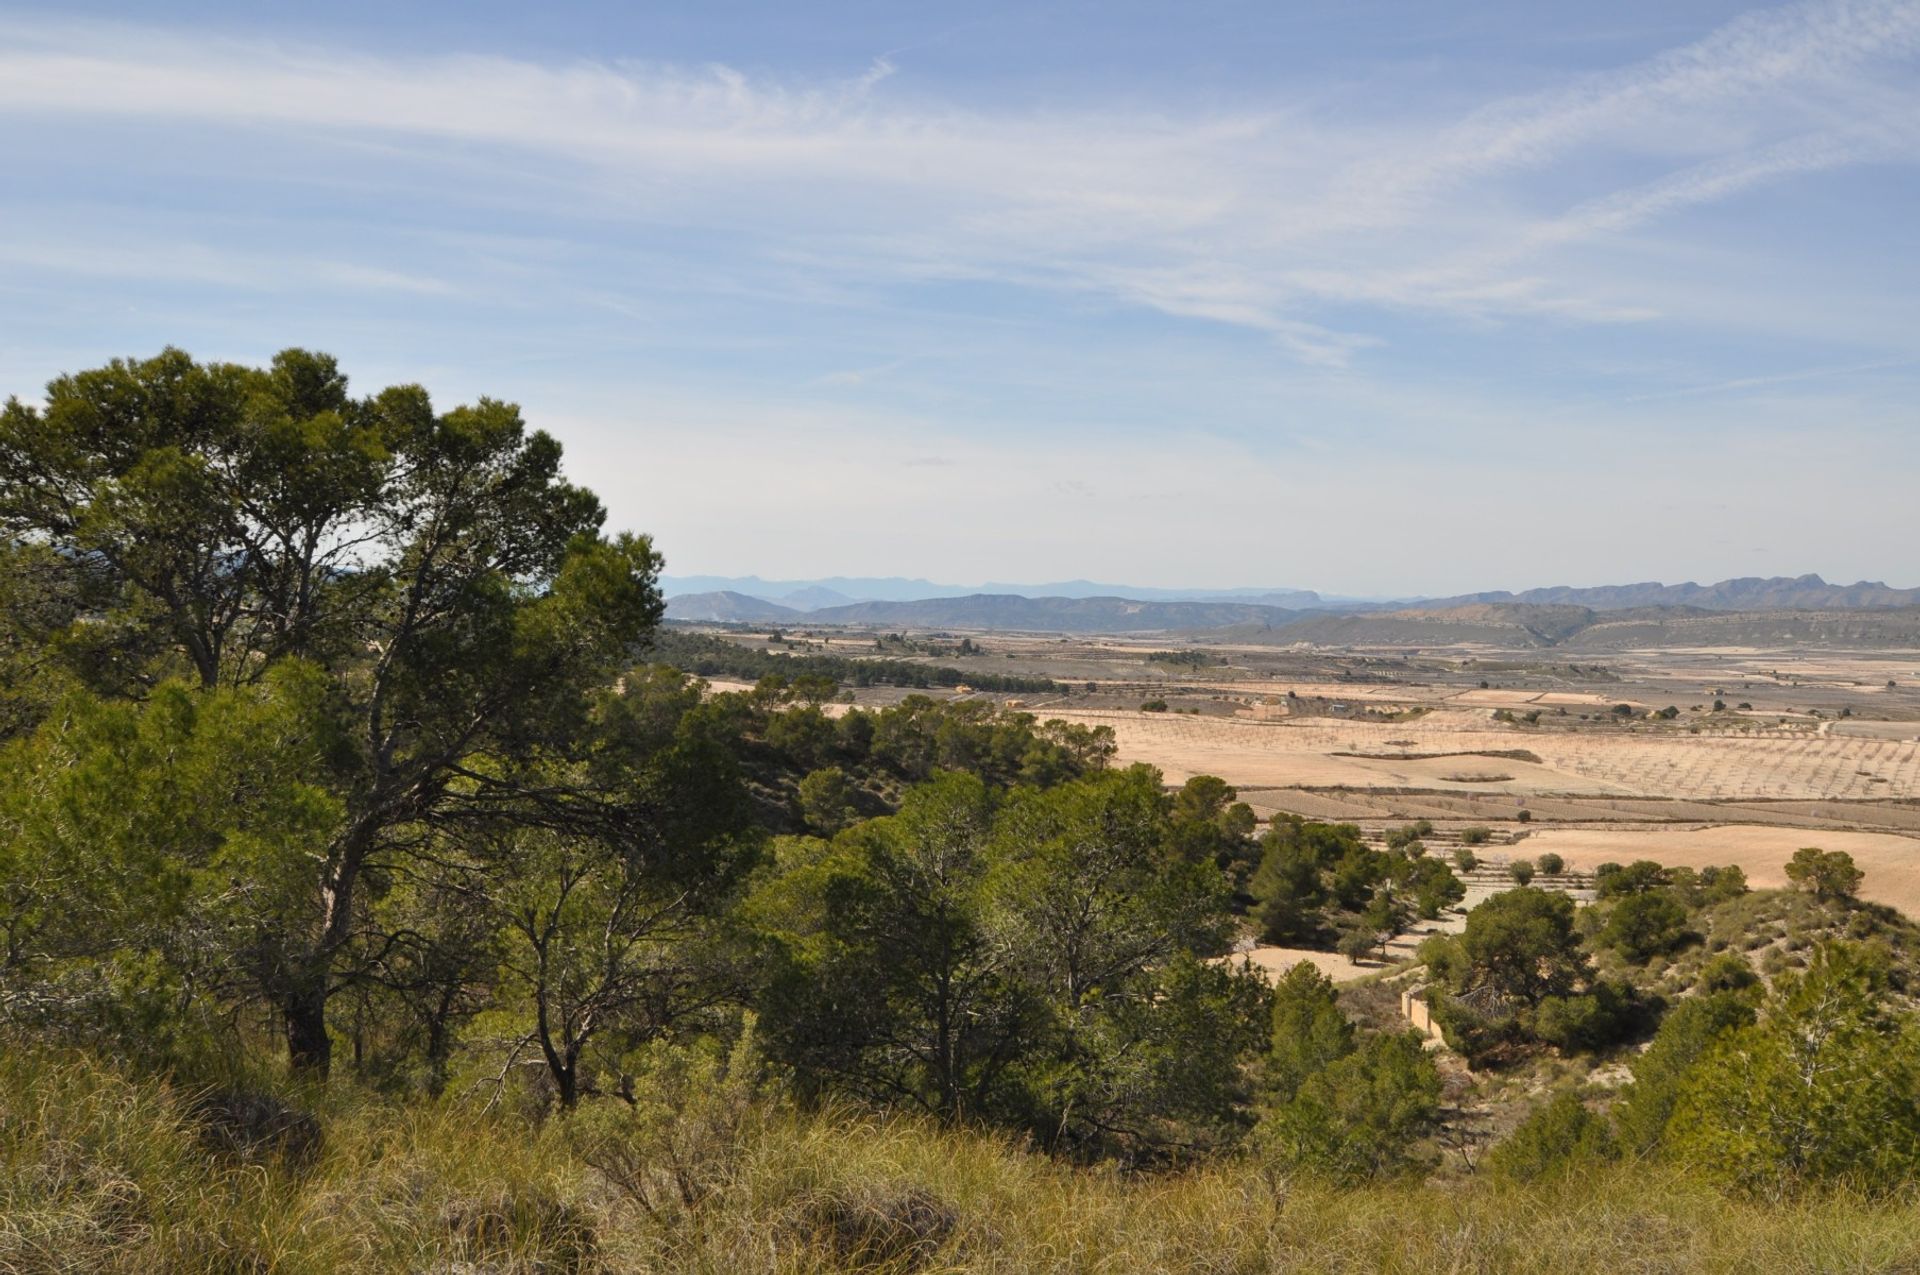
1892 863
1275 961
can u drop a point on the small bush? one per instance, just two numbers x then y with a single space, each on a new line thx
1550 864
1727 972
1561 1136
1521 871
1475 836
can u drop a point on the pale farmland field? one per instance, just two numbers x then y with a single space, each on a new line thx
1715 765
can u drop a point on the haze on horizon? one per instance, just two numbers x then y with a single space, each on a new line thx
1376 299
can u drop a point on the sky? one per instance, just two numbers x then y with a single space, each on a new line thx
1367 297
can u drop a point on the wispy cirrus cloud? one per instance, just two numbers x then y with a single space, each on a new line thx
1279 220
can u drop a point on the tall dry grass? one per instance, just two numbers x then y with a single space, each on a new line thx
99 1172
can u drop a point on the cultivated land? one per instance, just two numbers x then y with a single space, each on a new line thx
1810 745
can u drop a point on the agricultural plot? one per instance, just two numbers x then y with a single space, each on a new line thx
1715 765
1891 862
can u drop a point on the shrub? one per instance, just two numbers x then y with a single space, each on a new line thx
1820 1091
1409 835
1357 945
1611 881
1727 972
1360 1117
1643 926
1560 1136
1604 1015
1465 859
1686 1033
1824 874
1550 864
1521 871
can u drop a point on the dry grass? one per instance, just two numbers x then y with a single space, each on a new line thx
98 1173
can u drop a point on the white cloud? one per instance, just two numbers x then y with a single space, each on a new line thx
1258 219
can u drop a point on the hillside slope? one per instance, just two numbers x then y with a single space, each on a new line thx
726 606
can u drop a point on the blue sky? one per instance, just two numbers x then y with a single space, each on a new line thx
1367 297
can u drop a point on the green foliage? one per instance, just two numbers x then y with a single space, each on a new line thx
1309 1031
826 800
705 655
1030 960
1686 1033
1520 954
1154 706
1550 864
1409 835
1475 836
1429 882
1209 824
1726 972
1361 1115
1707 887
1560 1137
1611 881
909 741
1825 874
1643 926
1317 881
1521 871
1358 943
448 588
1824 1089
1465 859
1604 1014
1521 943
151 853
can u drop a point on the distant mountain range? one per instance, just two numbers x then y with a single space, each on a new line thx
1751 593
1808 592
1535 625
986 611
810 595
1507 625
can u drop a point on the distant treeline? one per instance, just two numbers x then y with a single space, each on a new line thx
708 656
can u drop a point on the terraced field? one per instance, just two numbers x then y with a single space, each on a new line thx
1717 764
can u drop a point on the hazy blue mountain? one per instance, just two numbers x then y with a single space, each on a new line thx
1750 593
725 606
839 590
1051 615
813 597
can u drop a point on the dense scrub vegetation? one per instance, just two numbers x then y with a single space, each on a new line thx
1322 885
373 895
708 656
